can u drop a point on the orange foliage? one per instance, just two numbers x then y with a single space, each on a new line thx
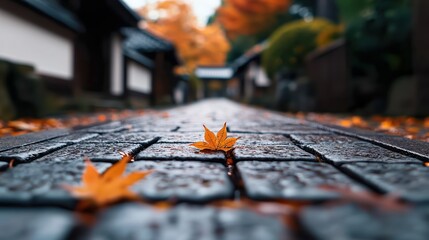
174 20
246 17
259 6
218 142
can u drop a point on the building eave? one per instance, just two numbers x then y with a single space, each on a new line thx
56 13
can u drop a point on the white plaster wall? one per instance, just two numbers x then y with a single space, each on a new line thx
116 84
139 78
262 79
22 41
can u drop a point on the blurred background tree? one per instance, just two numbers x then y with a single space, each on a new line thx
379 40
289 45
379 35
247 23
196 45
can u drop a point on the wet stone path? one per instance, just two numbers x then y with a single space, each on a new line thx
299 180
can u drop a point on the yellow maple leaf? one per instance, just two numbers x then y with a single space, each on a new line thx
109 187
218 142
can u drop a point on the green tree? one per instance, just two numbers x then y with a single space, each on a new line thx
289 45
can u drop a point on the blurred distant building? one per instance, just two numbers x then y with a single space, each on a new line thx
215 80
244 79
149 66
251 76
99 52
87 47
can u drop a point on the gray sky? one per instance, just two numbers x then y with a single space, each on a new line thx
202 8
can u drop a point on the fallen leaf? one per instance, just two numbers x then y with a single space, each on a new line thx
11 163
218 142
109 187
21 125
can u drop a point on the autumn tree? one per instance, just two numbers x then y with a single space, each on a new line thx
247 17
175 21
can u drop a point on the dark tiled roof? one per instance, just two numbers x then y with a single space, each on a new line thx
130 11
138 57
128 16
249 56
53 9
143 41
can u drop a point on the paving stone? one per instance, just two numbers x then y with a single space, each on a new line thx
125 137
346 131
409 181
277 129
263 121
178 152
153 128
214 127
290 129
309 139
76 137
405 145
246 128
271 152
3 165
95 151
28 153
29 138
42 182
351 222
408 146
358 151
35 224
106 128
261 139
292 180
187 181
154 120
182 137
145 119
186 222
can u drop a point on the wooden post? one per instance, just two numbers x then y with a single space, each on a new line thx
421 55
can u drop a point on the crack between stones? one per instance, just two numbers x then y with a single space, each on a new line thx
347 173
235 177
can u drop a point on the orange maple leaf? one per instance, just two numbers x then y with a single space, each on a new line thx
109 187
218 142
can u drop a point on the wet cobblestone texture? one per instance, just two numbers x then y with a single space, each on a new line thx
406 180
350 222
108 152
42 182
30 152
186 222
183 180
30 138
341 149
41 223
178 152
281 181
292 180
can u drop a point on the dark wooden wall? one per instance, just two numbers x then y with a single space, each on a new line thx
421 55
329 77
